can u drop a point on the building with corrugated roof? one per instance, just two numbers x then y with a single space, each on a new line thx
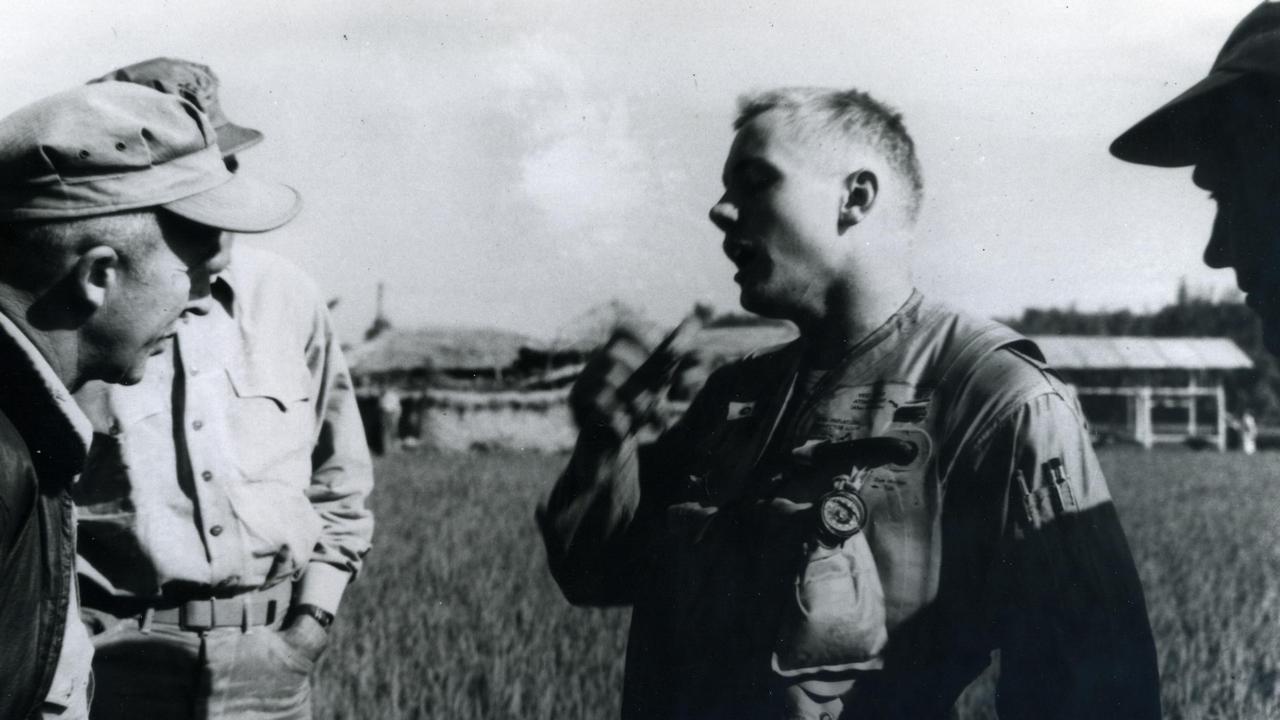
1149 389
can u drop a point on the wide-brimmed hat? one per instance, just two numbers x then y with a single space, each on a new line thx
115 146
199 83
1174 135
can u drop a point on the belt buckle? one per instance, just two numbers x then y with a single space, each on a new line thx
189 615
244 611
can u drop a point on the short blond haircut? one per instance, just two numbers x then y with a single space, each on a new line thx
843 117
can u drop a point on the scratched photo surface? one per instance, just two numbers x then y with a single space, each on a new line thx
509 166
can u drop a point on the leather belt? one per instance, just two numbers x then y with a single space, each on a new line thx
253 608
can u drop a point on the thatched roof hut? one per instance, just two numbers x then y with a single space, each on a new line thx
588 331
438 353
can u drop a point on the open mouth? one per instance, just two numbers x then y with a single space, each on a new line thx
740 253
1261 301
1256 294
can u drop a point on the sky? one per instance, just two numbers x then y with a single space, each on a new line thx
512 164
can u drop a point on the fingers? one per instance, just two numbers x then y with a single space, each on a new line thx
620 388
784 507
863 453
597 400
660 366
627 349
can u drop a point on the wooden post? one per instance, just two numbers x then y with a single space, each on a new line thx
1220 398
1146 433
1191 409
1131 414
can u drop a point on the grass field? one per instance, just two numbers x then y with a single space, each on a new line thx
455 616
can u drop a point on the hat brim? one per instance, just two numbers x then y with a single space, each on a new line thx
242 204
1174 135
234 138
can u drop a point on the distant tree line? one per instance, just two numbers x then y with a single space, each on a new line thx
1191 315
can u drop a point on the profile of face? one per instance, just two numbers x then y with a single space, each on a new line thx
145 294
203 274
1241 170
780 216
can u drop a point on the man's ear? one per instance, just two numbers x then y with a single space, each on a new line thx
860 191
95 275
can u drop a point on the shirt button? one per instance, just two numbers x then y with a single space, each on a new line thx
206 475
194 371
216 530
197 424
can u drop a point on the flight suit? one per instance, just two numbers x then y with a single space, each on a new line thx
998 533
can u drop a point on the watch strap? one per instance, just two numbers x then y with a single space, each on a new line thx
319 614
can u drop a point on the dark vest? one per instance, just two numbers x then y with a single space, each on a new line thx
37 551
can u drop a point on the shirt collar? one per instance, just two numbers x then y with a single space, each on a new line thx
870 348
37 402
223 289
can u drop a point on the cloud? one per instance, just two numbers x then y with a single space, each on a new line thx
583 167
591 175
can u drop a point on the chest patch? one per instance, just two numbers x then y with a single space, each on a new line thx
849 412
739 410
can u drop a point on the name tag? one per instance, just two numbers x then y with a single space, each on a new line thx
739 410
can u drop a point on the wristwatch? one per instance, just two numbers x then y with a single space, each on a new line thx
319 614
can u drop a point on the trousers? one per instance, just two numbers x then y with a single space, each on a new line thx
162 672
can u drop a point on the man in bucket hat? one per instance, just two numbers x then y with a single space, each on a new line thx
1228 126
113 200
222 512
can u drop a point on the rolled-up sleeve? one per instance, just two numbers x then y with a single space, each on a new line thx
1070 618
342 473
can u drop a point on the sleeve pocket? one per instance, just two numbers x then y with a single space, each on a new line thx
1051 499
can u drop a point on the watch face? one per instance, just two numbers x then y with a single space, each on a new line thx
842 514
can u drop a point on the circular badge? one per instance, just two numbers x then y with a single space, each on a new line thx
841 514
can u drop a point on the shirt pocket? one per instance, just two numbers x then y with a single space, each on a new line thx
133 428
274 422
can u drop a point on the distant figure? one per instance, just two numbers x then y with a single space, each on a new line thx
1248 433
849 525
390 405
412 410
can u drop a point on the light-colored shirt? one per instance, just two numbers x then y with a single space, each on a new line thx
71 676
239 461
